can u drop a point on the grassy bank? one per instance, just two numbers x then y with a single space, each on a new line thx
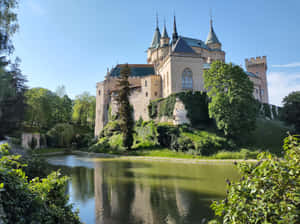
167 153
49 150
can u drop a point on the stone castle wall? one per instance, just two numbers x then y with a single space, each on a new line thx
145 89
258 66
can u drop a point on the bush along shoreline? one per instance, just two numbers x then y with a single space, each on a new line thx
167 140
268 191
29 194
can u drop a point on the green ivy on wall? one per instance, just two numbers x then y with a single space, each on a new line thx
196 104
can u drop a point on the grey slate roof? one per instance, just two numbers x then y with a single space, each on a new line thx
212 37
192 42
181 46
139 70
156 39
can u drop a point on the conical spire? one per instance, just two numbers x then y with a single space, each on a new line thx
156 37
175 34
164 33
212 37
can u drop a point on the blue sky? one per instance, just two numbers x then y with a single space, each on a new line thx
71 43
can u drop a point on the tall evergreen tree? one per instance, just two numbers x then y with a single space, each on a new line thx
125 110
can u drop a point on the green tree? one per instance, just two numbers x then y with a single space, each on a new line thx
125 109
268 191
84 110
12 82
39 111
291 110
45 108
8 25
232 104
12 100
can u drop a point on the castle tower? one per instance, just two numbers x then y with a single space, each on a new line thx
175 34
164 40
258 66
212 40
156 37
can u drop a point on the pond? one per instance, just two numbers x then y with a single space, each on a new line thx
119 191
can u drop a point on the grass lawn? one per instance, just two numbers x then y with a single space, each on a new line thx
48 150
164 152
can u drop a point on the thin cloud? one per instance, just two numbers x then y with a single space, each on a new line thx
290 65
36 7
281 84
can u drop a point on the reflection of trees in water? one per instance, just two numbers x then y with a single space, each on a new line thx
123 197
113 200
82 180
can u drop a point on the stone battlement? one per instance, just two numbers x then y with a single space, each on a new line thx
256 61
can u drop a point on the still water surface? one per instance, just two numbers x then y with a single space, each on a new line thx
115 191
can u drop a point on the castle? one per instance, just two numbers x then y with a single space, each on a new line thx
173 65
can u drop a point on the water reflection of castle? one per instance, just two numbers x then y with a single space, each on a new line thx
116 192
129 200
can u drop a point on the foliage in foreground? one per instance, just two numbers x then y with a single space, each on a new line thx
232 103
32 201
291 110
269 191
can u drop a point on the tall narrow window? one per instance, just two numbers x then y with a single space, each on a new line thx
145 82
187 79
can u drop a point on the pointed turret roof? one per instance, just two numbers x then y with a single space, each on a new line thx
175 34
156 38
212 37
164 33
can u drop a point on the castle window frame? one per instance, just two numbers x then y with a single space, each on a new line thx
99 92
145 82
146 94
187 79
155 93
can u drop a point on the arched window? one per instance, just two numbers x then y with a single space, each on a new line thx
187 79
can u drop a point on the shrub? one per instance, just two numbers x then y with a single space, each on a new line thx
146 135
15 141
60 135
82 140
36 201
182 144
101 146
111 128
167 134
268 191
207 144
